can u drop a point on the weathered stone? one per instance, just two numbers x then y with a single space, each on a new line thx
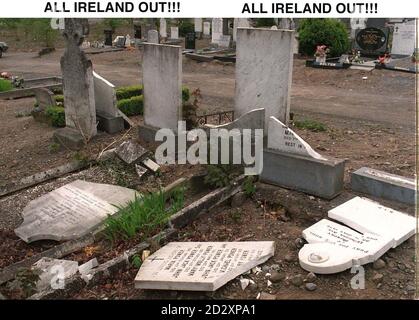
266 296
174 33
264 72
105 96
140 170
384 185
379 264
131 151
163 28
277 276
54 272
216 30
297 280
78 85
200 266
322 178
153 36
207 29
151 165
162 80
110 124
71 211
87 267
44 98
69 138
378 277
311 277
310 286
239 23
404 37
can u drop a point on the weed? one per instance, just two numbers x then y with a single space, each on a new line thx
311 125
54 147
136 261
220 175
235 215
143 214
249 187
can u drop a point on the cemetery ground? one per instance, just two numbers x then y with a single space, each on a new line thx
369 122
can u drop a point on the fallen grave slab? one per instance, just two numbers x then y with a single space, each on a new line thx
368 216
54 272
394 68
130 151
334 248
71 211
201 266
384 185
327 65
199 57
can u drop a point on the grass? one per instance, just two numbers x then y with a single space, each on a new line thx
143 215
311 125
5 85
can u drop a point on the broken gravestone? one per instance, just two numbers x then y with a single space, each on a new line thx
44 99
131 151
333 247
71 211
54 272
201 266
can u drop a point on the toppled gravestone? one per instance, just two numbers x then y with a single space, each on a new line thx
71 211
333 247
201 266
130 151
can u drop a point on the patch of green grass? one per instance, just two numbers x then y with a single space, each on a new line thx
136 261
249 187
54 147
311 125
143 215
56 116
5 85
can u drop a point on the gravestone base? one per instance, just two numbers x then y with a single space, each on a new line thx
110 124
69 138
383 185
147 133
322 178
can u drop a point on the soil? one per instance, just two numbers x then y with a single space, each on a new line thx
368 122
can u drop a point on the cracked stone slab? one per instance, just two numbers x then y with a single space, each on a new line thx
130 151
54 272
333 247
201 266
71 211
367 216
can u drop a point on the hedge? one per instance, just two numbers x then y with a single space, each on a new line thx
129 92
59 98
5 85
132 106
55 115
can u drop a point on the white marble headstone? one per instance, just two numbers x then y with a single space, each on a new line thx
207 28
163 28
71 211
404 38
174 32
282 138
366 215
198 24
334 248
201 266
217 29
152 36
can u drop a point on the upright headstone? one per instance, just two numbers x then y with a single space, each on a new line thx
239 23
108 37
163 28
357 24
198 25
372 41
174 33
207 29
217 30
162 80
137 32
44 98
264 72
153 36
190 41
78 86
404 38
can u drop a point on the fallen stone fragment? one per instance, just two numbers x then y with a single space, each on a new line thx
140 170
311 286
145 255
131 151
244 283
150 164
297 280
266 296
277 277
189 266
379 264
88 266
54 272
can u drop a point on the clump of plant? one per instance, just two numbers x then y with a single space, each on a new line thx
185 26
329 32
136 261
5 85
59 99
143 215
190 108
129 92
55 115
132 106
311 125
249 187
235 215
220 175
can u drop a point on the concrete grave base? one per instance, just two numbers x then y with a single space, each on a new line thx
110 124
322 178
383 185
69 138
